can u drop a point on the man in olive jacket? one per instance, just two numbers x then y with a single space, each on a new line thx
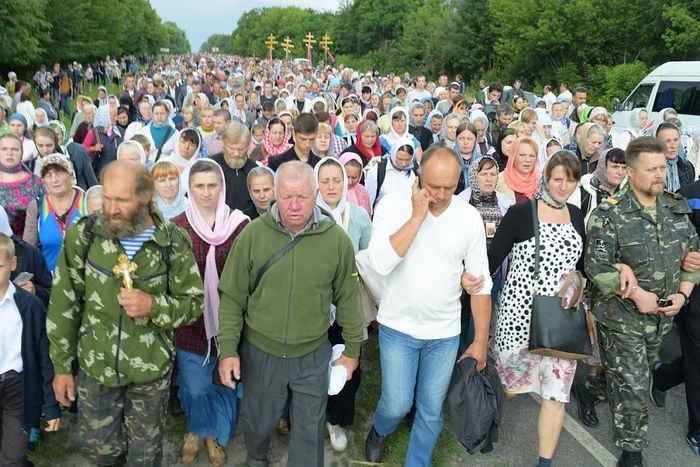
282 324
123 339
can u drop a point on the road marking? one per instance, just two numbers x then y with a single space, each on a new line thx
585 439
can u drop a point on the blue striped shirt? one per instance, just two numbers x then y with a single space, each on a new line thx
133 244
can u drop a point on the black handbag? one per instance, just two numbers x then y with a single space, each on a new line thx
554 330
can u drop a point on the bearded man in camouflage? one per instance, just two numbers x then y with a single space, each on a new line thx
122 338
649 230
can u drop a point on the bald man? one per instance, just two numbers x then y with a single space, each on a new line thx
421 240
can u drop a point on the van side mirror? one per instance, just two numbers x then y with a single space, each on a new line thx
616 103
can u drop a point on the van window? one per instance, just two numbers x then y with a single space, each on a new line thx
639 98
681 95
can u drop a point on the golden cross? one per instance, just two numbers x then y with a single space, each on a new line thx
270 42
124 268
287 46
309 40
325 41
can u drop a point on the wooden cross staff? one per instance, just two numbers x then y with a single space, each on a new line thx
309 40
325 42
270 43
287 46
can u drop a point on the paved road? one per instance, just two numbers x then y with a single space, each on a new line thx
583 446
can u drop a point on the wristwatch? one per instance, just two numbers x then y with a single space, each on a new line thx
687 299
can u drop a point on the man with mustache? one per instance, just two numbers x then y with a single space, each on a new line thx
122 338
647 229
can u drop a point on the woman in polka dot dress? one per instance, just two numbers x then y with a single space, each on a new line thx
561 229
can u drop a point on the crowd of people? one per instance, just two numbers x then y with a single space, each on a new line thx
196 239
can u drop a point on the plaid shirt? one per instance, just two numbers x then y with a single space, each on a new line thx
192 338
339 145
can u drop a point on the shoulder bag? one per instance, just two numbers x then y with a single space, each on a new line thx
555 331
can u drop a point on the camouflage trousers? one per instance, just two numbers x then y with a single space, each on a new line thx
123 424
626 358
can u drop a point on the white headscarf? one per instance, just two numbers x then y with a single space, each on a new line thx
135 144
392 137
342 204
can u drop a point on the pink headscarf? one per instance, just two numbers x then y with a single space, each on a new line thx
269 146
226 222
525 185
357 193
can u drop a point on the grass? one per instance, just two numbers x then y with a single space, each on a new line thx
397 443
57 447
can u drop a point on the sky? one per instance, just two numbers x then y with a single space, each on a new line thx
203 18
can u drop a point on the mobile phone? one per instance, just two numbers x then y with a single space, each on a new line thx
664 302
23 277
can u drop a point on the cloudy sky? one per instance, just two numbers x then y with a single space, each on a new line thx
203 18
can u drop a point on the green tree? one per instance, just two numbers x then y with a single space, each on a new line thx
220 41
78 31
682 37
177 40
24 32
254 26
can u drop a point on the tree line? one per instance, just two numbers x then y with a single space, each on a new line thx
606 44
37 31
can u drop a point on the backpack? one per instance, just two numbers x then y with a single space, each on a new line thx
381 175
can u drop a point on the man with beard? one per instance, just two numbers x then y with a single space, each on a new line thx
647 229
235 163
125 279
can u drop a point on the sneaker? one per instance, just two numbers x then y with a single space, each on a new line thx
217 456
190 449
694 441
630 459
339 439
657 396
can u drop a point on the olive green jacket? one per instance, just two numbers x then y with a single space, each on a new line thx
620 230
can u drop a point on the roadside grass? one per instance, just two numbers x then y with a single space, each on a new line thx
56 448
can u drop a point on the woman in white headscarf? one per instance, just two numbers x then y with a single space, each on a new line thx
332 197
395 173
398 116
639 118
186 153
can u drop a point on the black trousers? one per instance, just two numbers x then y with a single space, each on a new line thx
13 447
686 368
340 409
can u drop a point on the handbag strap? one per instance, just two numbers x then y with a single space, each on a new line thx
536 229
285 249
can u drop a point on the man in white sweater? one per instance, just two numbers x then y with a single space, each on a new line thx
423 241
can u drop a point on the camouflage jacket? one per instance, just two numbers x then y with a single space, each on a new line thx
621 231
86 321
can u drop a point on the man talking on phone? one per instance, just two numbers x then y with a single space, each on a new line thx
647 229
421 241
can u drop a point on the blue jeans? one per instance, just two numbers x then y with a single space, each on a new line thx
411 367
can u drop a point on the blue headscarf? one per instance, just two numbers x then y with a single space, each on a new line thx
21 118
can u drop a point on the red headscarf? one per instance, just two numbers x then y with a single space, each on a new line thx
376 149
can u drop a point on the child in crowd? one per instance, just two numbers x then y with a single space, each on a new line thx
26 372
560 123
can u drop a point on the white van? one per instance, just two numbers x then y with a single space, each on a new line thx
673 84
